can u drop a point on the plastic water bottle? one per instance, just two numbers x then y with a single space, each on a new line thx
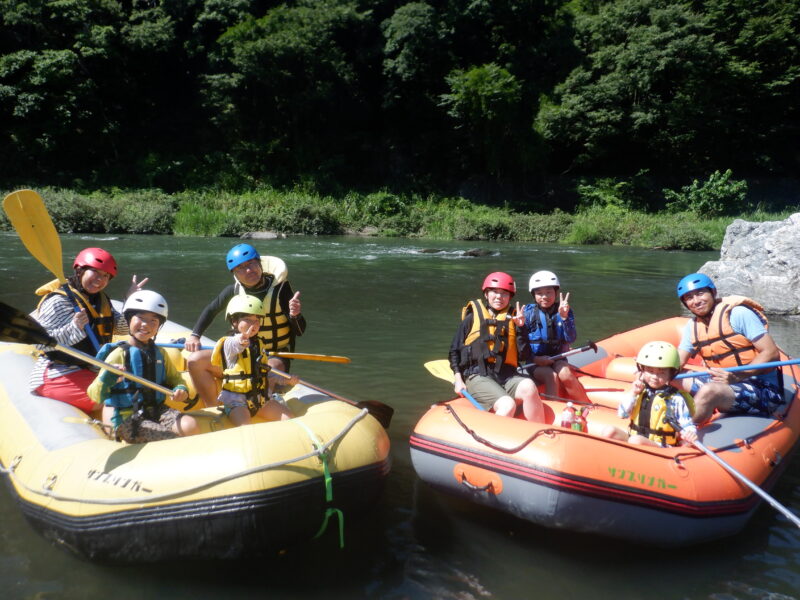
579 424
568 416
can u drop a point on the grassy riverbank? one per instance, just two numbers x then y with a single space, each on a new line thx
214 213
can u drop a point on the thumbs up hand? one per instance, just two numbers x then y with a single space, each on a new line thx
294 305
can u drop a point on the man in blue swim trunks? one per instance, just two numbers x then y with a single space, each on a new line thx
728 332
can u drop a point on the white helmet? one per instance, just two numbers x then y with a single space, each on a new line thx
146 300
543 279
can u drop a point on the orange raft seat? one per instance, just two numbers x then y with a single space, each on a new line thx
578 481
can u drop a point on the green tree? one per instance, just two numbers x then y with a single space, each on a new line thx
89 87
285 91
762 124
679 86
485 101
645 92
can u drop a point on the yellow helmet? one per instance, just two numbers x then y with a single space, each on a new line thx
659 354
248 305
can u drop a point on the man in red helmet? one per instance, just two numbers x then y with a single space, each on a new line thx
61 376
487 348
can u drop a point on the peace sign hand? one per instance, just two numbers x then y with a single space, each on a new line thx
563 305
519 316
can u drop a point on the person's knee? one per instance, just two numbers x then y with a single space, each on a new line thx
505 405
186 425
565 374
526 390
199 360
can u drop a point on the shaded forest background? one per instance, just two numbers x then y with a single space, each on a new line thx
514 102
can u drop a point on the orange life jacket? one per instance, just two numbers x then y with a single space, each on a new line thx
492 341
718 344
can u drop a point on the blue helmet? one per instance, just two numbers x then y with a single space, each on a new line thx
239 254
695 281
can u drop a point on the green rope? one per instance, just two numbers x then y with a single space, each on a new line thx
328 479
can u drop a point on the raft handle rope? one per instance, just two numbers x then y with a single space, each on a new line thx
475 488
324 448
328 480
485 442
551 432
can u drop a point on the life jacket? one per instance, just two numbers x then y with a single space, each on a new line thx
275 332
543 337
491 342
128 396
649 415
101 320
247 375
717 342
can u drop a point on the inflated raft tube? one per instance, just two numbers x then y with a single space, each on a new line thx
579 481
227 493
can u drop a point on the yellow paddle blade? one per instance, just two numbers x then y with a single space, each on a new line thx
440 369
28 215
318 357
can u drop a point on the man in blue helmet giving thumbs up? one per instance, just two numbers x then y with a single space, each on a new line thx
264 277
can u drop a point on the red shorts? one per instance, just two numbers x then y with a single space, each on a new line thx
70 389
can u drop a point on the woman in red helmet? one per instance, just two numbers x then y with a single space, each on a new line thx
61 376
487 348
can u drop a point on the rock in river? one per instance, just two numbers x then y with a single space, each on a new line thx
761 261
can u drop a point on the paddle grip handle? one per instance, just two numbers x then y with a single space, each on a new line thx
176 345
750 367
471 398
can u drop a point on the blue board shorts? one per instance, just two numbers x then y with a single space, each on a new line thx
753 396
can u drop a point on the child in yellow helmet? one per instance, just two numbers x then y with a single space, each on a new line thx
239 361
655 407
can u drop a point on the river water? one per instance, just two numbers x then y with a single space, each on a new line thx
391 307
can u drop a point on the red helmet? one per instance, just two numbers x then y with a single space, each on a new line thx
96 258
499 280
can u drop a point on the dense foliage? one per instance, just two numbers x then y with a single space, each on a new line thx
305 212
511 100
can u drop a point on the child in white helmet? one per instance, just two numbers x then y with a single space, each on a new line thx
661 415
551 329
137 413
240 362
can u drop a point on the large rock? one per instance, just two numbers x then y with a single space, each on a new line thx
262 235
761 261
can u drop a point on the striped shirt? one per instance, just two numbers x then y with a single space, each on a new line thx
55 314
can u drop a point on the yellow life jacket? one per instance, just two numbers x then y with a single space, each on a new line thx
100 320
491 342
245 376
275 332
718 344
649 415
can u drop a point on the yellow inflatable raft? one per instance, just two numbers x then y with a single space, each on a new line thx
222 494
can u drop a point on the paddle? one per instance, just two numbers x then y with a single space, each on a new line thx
715 457
382 412
589 346
27 213
750 367
16 326
297 355
442 370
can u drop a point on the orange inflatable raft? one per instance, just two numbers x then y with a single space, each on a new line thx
577 481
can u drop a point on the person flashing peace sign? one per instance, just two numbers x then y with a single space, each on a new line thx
488 346
551 329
